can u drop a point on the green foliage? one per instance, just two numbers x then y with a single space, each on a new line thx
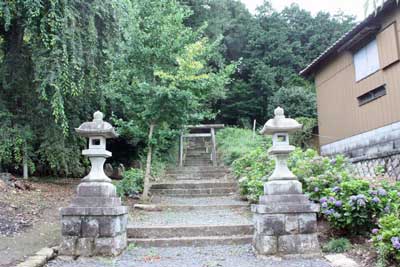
132 183
277 45
348 203
53 60
339 245
296 101
164 80
235 142
305 137
253 168
318 173
162 63
386 239
380 170
355 204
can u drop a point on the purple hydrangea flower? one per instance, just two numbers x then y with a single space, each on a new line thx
375 231
332 199
336 189
373 192
353 198
379 237
361 202
360 196
323 200
376 200
338 203
387 209
324 205
396 242
382 192
329 212
316 189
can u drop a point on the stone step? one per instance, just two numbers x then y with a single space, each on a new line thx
195 192
197 164
182 207
198 157
193 185
198 178
191 241
198 173
197 160
198 169
173 231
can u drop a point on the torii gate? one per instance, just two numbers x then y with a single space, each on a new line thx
211 135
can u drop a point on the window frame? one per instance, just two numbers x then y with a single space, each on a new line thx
372 95
370 69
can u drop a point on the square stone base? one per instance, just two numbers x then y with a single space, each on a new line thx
93 231
285 225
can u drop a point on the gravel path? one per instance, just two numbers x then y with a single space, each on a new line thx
216 256
191 217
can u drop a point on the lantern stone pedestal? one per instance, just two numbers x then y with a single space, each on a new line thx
95 222
285 220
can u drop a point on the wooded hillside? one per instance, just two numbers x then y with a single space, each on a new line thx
156 64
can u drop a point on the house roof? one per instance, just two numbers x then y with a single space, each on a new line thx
335 48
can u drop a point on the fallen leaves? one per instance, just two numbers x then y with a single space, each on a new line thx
22 203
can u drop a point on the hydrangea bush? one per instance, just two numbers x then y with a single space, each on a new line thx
348 203
253 170
318 173
386 238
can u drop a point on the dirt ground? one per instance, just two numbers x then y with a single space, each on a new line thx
29 219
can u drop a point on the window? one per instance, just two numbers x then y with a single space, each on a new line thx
96 142
366 60
371 95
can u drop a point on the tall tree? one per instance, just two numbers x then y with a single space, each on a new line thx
164 82
279 45
53 55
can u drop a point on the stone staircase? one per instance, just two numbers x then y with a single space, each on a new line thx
198 207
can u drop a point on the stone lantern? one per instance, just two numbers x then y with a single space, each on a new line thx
95 222
285 220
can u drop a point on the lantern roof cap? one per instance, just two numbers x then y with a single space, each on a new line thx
97 127
280 124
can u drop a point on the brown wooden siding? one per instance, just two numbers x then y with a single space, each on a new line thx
388 46
339 113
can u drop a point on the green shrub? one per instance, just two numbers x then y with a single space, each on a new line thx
339 245
235 143
348 206
348 203
132 183
355 205
304 138
318 173
253 170
386 239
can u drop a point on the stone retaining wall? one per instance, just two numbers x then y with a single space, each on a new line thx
370 151
369 167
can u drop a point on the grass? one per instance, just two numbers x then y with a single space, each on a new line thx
339 245
234 143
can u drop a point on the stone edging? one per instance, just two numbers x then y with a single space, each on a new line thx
341 260
40 258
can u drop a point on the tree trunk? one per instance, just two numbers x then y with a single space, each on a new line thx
25 164
146 182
